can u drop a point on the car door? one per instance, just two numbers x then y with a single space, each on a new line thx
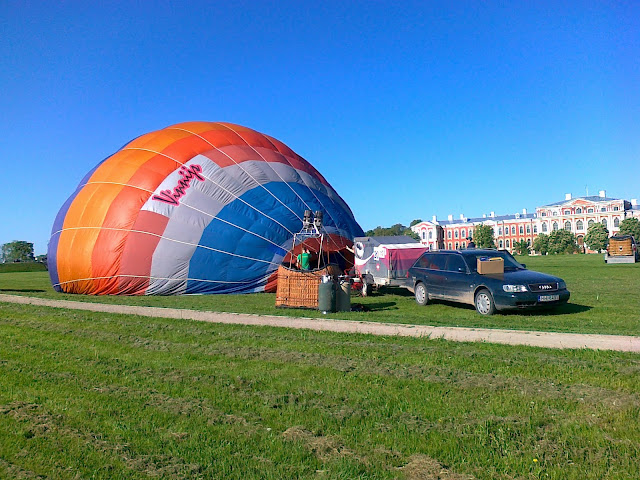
436 275
430 270
455 286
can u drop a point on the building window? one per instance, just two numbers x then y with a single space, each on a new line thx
544 227
463 234
579 225
528 242
455 234
464 244
616 222
430 235
521 230
500 243
590 222
535 229
499 231
555 226
567 226
449 236
603 209
567 212
604 222
578 210
507 243
513 230
528 228
544 214
590 210
449 245
615 209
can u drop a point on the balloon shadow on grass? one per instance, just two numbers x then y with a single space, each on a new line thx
373 307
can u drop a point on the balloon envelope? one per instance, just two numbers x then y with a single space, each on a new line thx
193 208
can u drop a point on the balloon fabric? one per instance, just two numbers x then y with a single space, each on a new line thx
194 208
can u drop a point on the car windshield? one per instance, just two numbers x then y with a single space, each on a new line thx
510 263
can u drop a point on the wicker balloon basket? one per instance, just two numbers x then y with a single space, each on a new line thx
299 288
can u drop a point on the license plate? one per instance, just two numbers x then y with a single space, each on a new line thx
548 298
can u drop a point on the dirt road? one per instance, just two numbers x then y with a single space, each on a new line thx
510 337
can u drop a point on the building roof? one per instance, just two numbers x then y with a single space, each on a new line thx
591 198
393 239
497 218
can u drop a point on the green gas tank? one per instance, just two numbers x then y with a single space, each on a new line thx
343 295
327 295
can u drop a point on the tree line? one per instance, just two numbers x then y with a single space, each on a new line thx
20 251
394 230
597 238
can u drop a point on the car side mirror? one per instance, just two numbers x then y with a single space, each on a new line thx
523 265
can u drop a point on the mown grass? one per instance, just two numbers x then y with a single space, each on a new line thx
92 395
604 299
22 267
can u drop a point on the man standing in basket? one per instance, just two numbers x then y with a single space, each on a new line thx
303 259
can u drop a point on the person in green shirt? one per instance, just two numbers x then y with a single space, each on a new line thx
304 259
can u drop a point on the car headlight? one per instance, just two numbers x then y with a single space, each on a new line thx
514 288
561 285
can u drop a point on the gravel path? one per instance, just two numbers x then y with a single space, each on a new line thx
510 337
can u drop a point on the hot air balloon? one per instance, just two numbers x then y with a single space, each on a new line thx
194 208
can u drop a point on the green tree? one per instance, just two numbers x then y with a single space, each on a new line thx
541 244
17 251
597 237
393 230
521 247
415 222
630 226
412 234
562 241
483 236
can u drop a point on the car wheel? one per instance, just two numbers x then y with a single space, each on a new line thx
484 303
422 296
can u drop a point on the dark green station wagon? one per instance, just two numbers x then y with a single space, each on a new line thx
452 275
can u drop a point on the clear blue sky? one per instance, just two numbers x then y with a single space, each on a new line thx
409 109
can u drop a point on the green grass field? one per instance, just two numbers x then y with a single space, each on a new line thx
92 395
604 299
22 267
